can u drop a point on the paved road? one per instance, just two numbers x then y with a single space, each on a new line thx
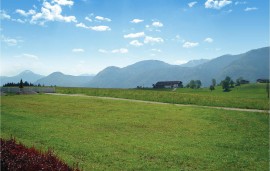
162 103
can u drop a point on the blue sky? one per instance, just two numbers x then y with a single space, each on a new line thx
86 36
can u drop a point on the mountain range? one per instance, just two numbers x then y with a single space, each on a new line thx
251 65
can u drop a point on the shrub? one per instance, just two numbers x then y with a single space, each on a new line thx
16 156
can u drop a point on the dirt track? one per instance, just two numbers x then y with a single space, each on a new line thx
162 103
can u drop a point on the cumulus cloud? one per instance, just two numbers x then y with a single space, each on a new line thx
208 40
136 43
134 35
153 40
240 2
100 28
51 12
82 25
24 13
121 50
88 19
251 9
4 15
94 28
190 44
64 2
136 21
77 50
10 41
191 4
100 18
157 24
217 4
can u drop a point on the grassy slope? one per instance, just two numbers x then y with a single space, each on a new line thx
120 135
251 96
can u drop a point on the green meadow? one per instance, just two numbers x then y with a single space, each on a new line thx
103 134
249 96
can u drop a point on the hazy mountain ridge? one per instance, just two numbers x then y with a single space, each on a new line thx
251 65
26 75
60 79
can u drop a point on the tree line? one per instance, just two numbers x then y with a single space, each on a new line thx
21 84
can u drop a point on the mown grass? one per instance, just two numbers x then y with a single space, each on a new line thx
119 135
251 96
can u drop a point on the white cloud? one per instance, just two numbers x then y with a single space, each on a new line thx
88 19
10 41
29 56
103 51
103 18
82 25
153 40
94 28
251 9
4 15
100 28
157 24
156 50
240 2
134 35
77 50
136 21
217 4
136 43
191 4
190 44
121 50
25 14
208 40
51 12
64 2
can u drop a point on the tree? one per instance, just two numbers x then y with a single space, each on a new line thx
231 83
212 87
192 84
226 84
21 84
214 82
198 83
238 81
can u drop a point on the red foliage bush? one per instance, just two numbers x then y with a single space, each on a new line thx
16 156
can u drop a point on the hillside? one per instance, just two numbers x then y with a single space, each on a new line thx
60 79
250 65
27 75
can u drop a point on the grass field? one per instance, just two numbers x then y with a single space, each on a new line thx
120 135
250 96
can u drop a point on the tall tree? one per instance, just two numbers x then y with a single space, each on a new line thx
226 84
21 84
198 83
214 82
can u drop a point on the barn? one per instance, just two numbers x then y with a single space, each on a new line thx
168 84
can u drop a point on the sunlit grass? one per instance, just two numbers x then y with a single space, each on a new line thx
118 135
251 96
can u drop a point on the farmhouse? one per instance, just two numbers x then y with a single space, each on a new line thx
168 84
263 81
